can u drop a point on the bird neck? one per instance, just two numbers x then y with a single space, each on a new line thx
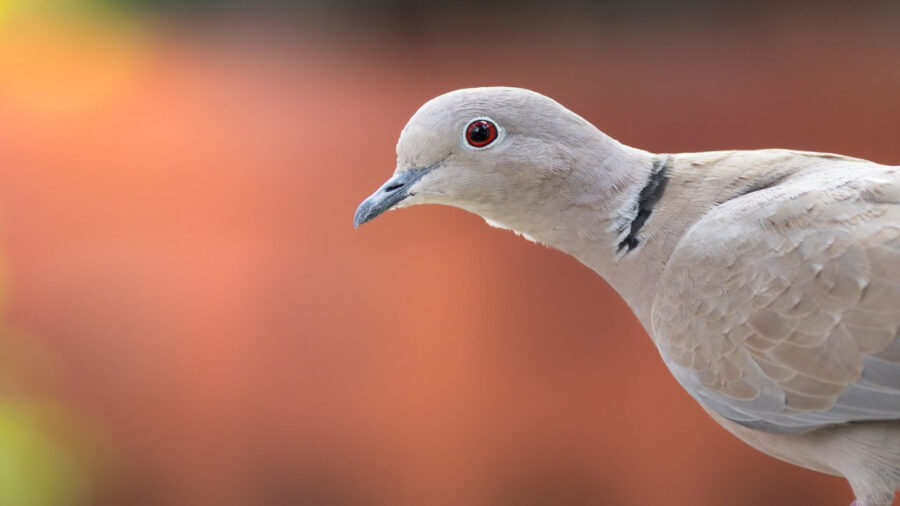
626 229
611 225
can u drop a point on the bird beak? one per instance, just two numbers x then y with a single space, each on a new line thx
393 191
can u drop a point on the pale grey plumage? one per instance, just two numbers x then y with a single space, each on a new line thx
769 280
777 307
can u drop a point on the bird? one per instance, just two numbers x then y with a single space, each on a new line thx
769 280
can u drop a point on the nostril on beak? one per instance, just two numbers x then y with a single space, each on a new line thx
394 187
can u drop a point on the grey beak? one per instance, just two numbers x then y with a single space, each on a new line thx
390 193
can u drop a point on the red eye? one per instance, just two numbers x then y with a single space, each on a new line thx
480 133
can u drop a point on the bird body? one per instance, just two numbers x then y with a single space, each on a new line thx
769 280
779 309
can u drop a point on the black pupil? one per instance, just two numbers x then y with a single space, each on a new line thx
480 132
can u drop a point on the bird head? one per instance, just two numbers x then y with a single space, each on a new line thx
492 151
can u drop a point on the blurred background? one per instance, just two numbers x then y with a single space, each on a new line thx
189 318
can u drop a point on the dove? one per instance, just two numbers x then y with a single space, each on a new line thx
769 280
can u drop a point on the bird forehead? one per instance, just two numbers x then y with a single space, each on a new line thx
421 146
459 106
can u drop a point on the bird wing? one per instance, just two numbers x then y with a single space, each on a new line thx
780 309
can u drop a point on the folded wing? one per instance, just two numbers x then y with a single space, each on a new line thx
780 309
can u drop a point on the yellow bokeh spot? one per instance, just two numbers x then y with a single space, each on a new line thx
65 64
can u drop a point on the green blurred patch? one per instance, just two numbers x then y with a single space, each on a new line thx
35 470
44 446
99 9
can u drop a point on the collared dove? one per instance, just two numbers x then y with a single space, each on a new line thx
769 280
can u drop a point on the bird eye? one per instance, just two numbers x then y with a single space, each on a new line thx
480 133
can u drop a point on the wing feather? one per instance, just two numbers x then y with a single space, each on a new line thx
780 309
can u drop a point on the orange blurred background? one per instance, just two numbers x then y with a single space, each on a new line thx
190 318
